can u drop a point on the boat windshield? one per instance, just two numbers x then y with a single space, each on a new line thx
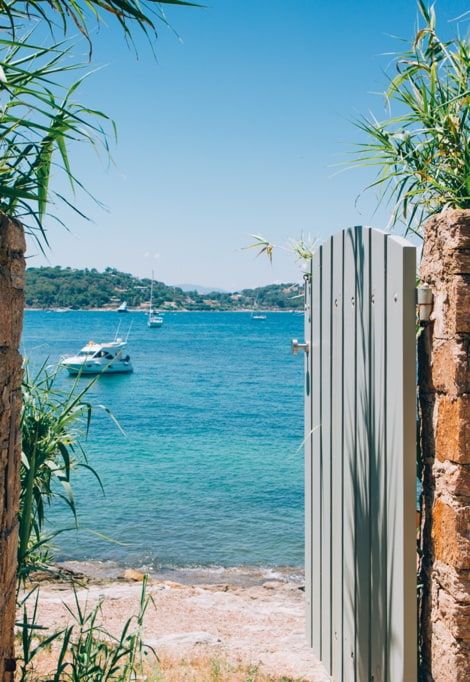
104 354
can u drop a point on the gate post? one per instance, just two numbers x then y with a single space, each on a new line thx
444 380
12 267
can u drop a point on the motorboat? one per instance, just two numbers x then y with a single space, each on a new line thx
99 358
154 319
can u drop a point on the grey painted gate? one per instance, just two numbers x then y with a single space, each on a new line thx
360 457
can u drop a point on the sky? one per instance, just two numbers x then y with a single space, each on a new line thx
240 124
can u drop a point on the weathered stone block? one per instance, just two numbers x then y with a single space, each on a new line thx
456 583
451 534
451 308
460 305
453 428
451 366
440 315
455 614
460 262
450 229
458 482
453 480
450 656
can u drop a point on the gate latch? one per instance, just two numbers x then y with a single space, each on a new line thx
296 346
424 301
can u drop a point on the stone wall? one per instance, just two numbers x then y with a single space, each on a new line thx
444 368
12 266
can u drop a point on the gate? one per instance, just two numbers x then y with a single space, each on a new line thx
360 457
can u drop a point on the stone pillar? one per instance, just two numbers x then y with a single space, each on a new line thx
12 267
444 381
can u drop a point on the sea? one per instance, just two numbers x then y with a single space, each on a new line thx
205 472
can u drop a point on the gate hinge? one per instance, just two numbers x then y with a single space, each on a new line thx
424 302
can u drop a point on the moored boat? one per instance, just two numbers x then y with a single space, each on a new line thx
257 314
99 358
154 319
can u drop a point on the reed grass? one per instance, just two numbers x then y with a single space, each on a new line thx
40 120
54 426
422 152
83 651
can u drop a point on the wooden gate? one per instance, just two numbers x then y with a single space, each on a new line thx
360 457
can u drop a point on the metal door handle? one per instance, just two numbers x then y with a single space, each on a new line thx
296 346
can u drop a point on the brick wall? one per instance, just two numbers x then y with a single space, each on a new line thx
445 409
11 318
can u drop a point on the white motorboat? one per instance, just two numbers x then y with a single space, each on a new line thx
154 319
99 358
123 307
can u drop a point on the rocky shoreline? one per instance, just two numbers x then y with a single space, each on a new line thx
259 622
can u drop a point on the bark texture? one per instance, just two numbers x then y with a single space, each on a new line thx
444 379
12 265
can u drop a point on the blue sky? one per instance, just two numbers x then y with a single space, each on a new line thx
237 127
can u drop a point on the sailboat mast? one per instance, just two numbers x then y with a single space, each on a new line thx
151 295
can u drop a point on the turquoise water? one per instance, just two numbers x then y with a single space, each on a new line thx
210 472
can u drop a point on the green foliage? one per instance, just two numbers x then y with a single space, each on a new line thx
40 118
79 13
87 652
423 153
65 287
303 248
53 425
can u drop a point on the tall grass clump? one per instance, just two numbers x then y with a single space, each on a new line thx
422 152
84 651
54 424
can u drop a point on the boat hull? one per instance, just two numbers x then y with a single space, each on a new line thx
116 368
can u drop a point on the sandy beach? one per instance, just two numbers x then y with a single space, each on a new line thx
257 627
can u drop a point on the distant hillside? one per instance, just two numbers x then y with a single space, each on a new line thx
200 289
68 288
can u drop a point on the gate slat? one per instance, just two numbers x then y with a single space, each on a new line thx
401 461
337 457
315 491
308 473
349 458
362 508
325 450
377 457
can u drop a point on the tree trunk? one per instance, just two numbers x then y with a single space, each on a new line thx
444 395
12 266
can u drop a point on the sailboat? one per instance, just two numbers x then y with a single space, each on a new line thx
154 319
257 315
